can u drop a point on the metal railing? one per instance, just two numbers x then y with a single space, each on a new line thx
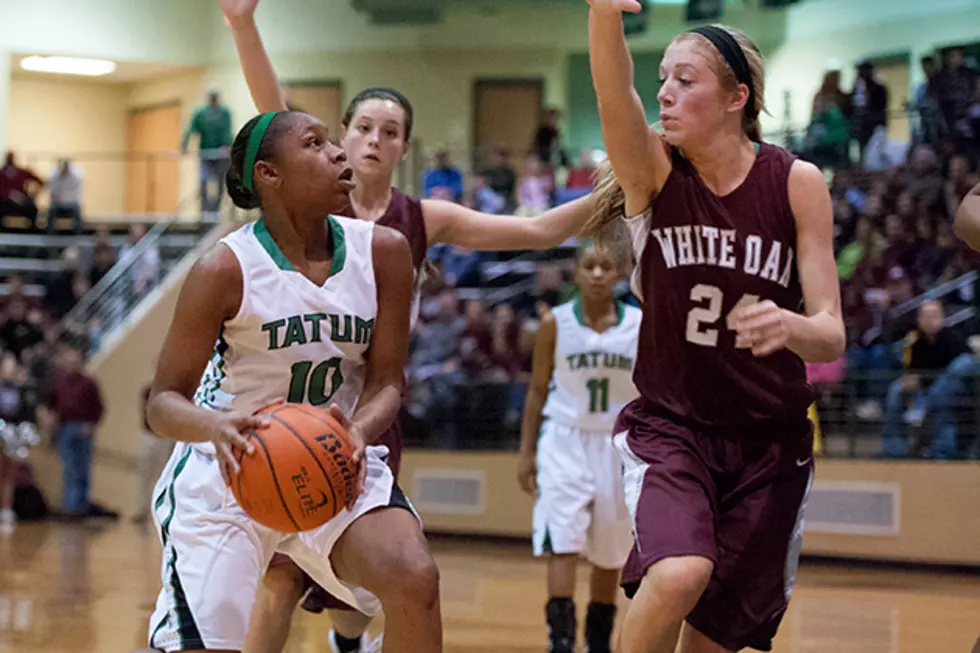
935 422
137 273
105 307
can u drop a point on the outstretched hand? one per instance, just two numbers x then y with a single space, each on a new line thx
629 6
237 9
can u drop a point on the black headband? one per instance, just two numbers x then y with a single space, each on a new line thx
733 54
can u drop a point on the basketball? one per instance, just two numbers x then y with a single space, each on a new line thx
300 475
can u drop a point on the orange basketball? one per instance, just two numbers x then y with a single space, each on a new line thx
300 475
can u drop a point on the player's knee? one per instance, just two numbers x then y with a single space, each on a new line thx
680 580
416 579
285 583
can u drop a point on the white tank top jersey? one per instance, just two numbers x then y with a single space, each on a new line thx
593 376
292 339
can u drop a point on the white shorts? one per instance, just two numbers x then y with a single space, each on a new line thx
581 507
214 555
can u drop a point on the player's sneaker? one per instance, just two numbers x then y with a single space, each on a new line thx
8 521
365 646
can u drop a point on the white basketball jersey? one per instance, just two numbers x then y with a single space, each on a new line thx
292 339
593 376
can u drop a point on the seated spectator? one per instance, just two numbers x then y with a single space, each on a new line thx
480 197
475 340
581 175
18 333
501 178
61 291
933 261
460 266
65 188
852 254
145 273
898 243
534 191
435 368
906 208
845 186
15 289
505 332
924 180
103 258
18 187
443 175
933 350
870 357
17 405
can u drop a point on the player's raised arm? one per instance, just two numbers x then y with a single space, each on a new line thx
638 154
259 73
967 223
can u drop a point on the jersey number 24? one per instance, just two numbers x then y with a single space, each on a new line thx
701 317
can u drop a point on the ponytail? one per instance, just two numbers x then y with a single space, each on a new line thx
610 204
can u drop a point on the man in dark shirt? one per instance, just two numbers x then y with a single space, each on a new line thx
17 333
934 352
77 404
18 186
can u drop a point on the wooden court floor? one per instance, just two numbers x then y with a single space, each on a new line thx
90 589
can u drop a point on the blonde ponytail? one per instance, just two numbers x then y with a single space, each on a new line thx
610 204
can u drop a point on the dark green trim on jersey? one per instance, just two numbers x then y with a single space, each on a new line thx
269 245
336 235
580 316
339 245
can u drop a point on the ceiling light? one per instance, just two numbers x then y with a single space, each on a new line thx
68 65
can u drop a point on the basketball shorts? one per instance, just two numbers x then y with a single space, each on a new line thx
214 555
736 498
580 508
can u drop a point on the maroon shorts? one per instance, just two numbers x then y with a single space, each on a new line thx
316 598
735 497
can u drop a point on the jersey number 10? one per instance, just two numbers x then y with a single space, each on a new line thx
309 384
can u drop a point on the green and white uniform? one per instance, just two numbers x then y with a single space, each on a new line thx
581 507
290 339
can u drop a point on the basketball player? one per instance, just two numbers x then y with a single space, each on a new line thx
736 276
967 223
580 380
278 296
377 135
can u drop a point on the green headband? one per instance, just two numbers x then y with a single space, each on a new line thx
254 142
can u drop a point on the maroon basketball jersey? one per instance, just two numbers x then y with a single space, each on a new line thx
704 256
404 214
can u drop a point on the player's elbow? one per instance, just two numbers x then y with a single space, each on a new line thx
967 226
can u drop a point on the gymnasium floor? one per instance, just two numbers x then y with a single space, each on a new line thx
90 588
